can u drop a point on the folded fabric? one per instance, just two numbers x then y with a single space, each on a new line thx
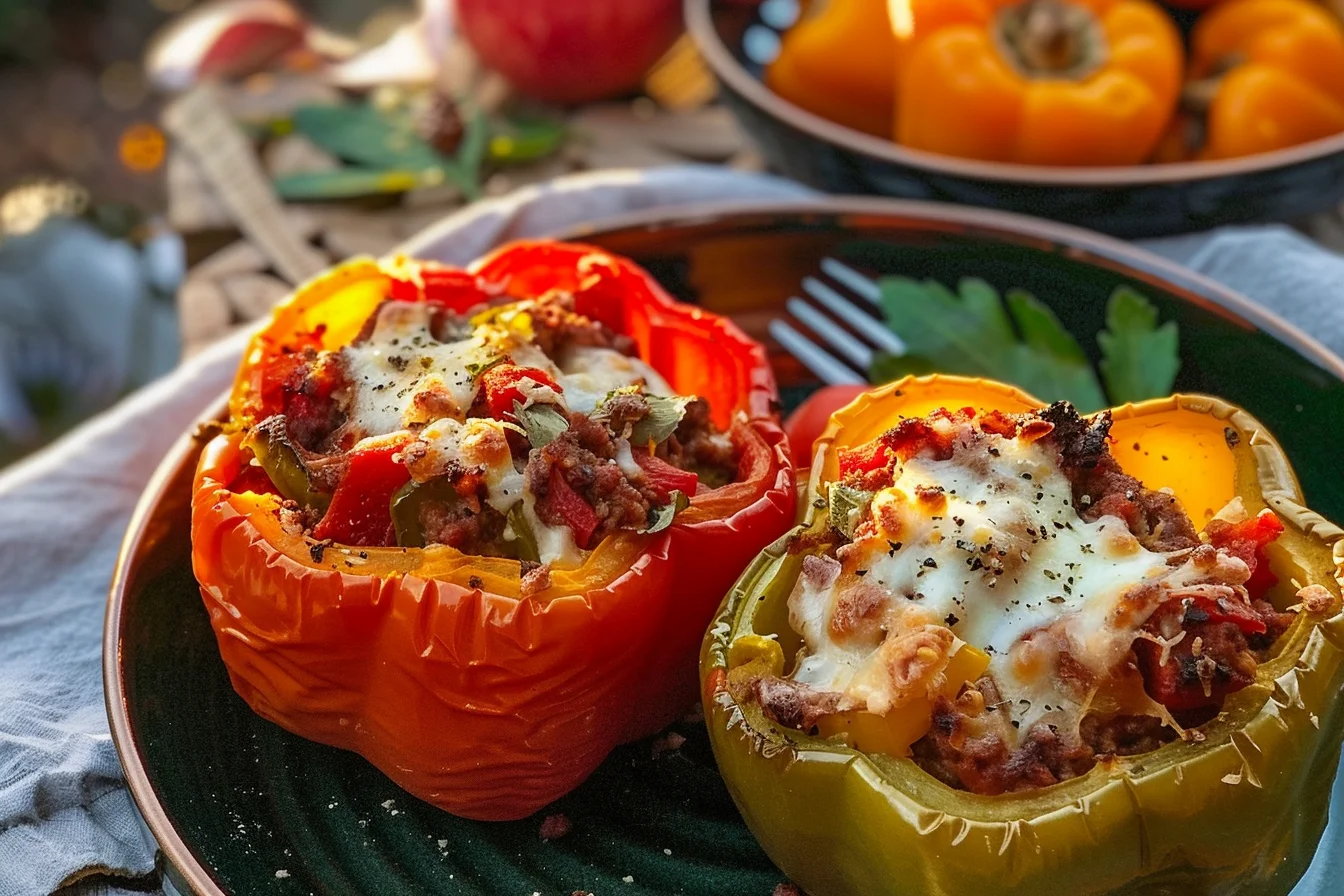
64 810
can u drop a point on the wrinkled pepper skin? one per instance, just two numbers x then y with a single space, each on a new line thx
959 94
1282 75
427 661
1241 812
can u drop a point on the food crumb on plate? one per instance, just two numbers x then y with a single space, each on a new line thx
282 874
553 827
443 844
667 852
669 741
629 878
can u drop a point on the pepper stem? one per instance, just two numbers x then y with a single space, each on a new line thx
1051 39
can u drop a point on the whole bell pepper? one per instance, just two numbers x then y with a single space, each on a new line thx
1266 74
1038 82
838 63
1241 809
431 663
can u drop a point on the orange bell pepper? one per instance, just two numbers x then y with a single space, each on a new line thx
430 662
1038 82
1273 75
838 64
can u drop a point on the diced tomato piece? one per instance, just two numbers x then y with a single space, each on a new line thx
1247 540
1176 684
806 424
864 459
440 285
567 505
501 387
664 478
1239 613
360 511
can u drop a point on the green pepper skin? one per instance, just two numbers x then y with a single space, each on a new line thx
280 458
1240 812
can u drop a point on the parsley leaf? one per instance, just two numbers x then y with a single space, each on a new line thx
972 332
664 416
1019 340
1139 359
661 517
543 423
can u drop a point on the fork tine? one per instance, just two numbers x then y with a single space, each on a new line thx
828 368
858 354
868 326
858 284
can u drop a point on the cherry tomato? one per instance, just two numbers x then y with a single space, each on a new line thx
807 422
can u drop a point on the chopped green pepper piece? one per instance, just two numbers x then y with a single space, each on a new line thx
408 502
524 539
270 443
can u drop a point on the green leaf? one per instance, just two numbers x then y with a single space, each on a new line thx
661 517
887 368
846 507
525 140
1139 359
664 415
972 333
1040 328
465 167
345 183
543 422
361 134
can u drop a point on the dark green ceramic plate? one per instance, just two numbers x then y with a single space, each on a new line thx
240 806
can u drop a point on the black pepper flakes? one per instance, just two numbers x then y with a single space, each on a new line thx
1231 437
951 619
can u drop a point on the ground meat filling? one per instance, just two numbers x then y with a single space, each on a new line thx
558 327
586 456
1201 644
313 435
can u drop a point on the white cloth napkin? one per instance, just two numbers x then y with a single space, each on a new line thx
64 809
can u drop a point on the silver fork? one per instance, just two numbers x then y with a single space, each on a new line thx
851 298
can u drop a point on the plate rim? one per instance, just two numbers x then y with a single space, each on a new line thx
700 25
1079 243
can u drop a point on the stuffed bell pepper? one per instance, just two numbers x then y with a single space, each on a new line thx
1013 649
471 524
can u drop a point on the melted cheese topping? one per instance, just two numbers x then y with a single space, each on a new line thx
403 378
988 544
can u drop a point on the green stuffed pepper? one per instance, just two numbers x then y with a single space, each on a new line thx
1039 673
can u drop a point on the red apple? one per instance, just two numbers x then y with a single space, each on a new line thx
570 51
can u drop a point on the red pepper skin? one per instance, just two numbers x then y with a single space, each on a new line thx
360 511
664 478
451 288
1247 540
500 385
432 664
562 502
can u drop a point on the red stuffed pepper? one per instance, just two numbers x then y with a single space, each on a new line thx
472 524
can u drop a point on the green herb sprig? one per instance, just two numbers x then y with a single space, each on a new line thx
1017 339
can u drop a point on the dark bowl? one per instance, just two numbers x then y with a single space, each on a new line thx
240 806
1131 201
